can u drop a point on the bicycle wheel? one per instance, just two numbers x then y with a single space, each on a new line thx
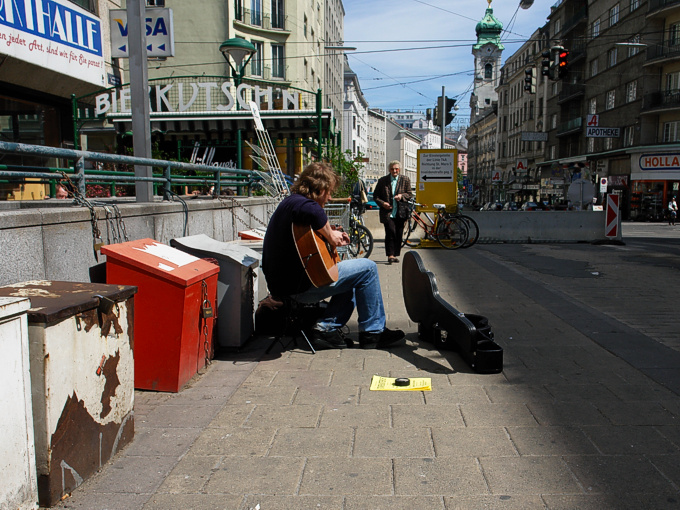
473 230
451 232
360 242
410 239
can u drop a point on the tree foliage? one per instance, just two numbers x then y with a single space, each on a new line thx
347 166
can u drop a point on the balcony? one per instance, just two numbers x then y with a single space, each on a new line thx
656 6
276 23
571 91
570 126
659 52
666 100
580 17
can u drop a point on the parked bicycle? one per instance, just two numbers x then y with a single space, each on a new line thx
360 237
451 230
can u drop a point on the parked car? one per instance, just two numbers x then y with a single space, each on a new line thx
510 206
529 206
371 203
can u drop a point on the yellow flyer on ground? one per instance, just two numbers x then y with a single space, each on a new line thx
379 383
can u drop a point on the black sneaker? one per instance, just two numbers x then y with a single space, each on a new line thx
387 338
333 339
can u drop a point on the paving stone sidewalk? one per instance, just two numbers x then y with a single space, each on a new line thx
568 424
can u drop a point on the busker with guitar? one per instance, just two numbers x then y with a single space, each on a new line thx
287 267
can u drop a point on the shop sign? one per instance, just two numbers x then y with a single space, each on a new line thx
54 34
667 161
205 97
602 132
158 28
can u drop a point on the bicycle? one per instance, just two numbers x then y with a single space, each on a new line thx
360 237
450 230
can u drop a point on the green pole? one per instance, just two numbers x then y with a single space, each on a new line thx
74 113
319 120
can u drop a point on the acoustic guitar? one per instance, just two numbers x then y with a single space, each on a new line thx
319 258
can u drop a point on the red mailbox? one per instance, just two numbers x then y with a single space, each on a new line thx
175 310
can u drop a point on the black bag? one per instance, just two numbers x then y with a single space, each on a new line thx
403 210
274 316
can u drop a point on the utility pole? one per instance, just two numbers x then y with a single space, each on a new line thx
139 95
443 115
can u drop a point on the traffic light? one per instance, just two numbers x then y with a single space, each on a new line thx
437 117
530 80
428 114
449 115
546 64
562 63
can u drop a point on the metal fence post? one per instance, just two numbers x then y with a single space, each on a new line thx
168 184
80 172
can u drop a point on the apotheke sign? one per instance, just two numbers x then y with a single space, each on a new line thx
205 97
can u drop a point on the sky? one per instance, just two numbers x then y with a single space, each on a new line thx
407 50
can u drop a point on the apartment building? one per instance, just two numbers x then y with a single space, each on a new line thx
376 152
355 115
402 145
520 121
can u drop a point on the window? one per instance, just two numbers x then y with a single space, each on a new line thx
611 99
256 60
592 106
674 34
591 145
256 12
608 144
631 91
628 134
634 4
553 121
673 82
278 14
634 50
557 26
595 29
593 67
553 152
304 26
671 131
611 57
554 88
85 4
152 3
277 61
614 15
238 10
488 71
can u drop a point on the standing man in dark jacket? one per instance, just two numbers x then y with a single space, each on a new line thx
389 190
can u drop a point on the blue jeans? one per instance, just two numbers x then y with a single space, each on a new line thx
358 285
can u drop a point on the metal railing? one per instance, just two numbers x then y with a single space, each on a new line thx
664 99
163 182
570 125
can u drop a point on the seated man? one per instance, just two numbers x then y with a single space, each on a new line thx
358 283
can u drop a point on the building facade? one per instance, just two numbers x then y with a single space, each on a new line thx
520 122
42 67
402 145
376 153
355 115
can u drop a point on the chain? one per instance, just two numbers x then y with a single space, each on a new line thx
206 340
234 204
82 201
122 231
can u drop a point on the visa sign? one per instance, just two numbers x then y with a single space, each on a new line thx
158 29
53 21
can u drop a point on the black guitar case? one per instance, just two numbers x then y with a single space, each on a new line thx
441 324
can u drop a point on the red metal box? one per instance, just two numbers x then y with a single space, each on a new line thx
173 330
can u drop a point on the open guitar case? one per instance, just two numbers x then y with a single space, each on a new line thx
444 326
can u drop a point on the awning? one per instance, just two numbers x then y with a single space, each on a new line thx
279 123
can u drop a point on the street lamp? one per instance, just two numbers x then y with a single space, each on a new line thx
238 48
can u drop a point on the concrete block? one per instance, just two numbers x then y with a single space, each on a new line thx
271 476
